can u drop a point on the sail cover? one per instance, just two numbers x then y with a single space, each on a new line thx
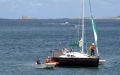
79 43
74 44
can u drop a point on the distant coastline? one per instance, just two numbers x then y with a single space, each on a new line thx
114 18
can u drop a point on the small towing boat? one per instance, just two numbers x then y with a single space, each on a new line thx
45 65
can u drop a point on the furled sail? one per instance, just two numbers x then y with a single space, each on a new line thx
94 28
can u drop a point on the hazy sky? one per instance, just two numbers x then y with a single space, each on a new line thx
14 9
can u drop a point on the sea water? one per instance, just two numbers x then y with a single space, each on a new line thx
23 41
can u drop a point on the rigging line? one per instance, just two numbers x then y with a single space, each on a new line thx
72 11
90 7
68 26
86 46
72 6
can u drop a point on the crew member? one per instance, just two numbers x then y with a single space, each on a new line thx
48 60
64 50
92 48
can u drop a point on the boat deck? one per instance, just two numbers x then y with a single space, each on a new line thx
58 53
93 57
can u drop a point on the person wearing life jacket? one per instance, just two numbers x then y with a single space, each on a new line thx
38 61
64 50
92 48
48 60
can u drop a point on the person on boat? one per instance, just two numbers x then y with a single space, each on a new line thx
48 60
92 48
38 61
64 50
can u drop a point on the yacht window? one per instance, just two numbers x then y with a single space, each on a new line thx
68 55
72 56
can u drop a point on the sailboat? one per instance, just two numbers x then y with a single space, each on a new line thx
78 59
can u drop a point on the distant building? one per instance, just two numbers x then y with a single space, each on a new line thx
24 17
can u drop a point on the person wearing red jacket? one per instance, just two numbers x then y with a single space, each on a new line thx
92 48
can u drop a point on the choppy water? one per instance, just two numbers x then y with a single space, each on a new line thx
23 41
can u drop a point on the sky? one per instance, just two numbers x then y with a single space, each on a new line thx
46 9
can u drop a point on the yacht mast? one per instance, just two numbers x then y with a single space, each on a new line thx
82 26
